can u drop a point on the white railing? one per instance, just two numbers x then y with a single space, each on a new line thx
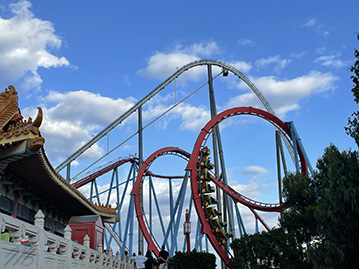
47 250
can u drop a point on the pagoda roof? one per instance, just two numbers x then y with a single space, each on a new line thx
22 155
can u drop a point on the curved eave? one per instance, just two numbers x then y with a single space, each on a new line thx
37 171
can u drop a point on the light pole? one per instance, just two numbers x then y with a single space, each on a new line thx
187 231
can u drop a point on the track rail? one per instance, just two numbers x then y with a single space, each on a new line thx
193 167
152 245
93 176
240 198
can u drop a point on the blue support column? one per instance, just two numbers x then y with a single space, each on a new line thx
175 221
91 191
97 195
111 184
295 151
150 200
127 227
199 236
242 229
159 215
178 209
300 144
120 203
170 226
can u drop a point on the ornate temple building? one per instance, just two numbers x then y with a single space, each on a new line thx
28 182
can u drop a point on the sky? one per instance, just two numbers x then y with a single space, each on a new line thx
85 63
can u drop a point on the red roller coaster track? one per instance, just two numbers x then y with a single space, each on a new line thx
193 166
137 190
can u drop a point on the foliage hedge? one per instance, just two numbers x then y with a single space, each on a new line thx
197 260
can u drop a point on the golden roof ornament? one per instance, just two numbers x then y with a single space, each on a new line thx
13 127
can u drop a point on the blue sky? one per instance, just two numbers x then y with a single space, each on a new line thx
87 62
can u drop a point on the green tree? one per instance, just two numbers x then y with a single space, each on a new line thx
300 219
273 249
353 123
198 260
338 196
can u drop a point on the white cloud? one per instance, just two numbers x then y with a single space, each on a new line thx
245 42
330 61
285 95
126 80
161 65
279 64
318 28
255 170
30 80
25 42
310 22
298 55
241 66
251 189
200 49
70 120
192 118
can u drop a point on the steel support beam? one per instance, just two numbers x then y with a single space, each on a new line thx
140 156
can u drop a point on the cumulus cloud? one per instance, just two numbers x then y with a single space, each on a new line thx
161 65
70 120
241 66
252 189
245 42
25 45
316 26
285 95
192 118
330 61
310 22
254 170
279 64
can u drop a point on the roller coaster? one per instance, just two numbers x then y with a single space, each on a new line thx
139 192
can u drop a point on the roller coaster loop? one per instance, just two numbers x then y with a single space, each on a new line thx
193 167
153 246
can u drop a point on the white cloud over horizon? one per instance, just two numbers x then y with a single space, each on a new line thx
284 95
163 64
245 42
279 64
25 45
254 170
316 26
330 61
71 118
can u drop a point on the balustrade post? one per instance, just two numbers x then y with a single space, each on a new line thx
86 241
40 238
68 232
16 237
99 247
53 246
40 219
